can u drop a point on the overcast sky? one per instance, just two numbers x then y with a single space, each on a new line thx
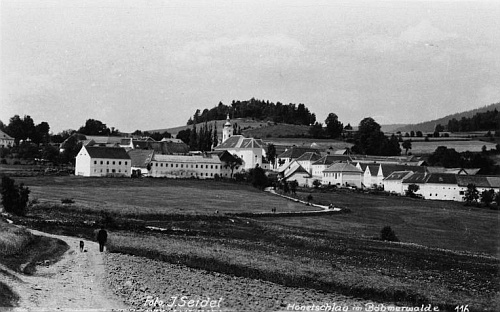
149 64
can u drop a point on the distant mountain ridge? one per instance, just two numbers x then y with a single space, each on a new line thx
428 126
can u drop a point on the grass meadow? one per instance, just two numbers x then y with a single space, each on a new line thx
448 254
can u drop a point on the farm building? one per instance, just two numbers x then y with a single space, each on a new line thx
394 182
293 153
343 174
307 159
295 172
437 186
186 166
481 182
96 161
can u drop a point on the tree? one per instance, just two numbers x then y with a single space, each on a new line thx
388 234
333 126
419 134
406 145
271 153
233 163
14 198
371 140
412 189
487 197
258 177
94 127
316 130
70 147
471 195
193 139
293 186
184 135
412 133
316 183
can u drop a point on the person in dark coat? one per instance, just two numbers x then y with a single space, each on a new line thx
102 237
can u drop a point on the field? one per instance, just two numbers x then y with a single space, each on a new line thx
422 147
156 196
448 254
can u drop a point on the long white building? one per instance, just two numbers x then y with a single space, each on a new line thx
93 161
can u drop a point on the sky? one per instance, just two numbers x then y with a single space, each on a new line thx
149 64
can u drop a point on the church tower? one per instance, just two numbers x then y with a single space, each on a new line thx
227 131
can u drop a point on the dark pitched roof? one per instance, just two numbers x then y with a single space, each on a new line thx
107 152
295 152
442 178
163 147
5 136
438 178
398 175
330 159
140 158
342 167
310 156
416 178
239 141
479 181
387 169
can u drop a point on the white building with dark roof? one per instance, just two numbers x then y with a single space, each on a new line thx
186 166
250 150
307 159
6 140
394 182
96 161
342 174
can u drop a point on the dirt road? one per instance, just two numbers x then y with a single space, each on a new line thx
75 283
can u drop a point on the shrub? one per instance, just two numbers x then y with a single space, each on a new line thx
67 201
316 183
3 161
14 198
309 197
388 234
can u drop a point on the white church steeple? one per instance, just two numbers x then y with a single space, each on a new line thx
227 131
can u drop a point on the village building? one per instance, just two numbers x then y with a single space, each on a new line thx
292 154
394 182
437 186
325 162
482 183
295 172
6 140
185 166
307 159
342 174
250 150
96 161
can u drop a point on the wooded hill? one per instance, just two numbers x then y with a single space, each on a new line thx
429 126
258 110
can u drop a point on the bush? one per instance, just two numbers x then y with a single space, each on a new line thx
388 234
67 201
14 198
3 161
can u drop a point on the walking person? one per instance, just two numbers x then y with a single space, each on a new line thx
102 237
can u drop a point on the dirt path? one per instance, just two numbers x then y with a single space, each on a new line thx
76 282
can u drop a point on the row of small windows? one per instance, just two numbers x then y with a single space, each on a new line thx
107 162
112 170
187 166
206 174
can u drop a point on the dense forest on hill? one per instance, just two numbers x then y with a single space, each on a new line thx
259 110
429 126
486 121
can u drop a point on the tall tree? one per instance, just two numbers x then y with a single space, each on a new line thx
406 145
333 126
94 127
193 139
471 195
271 154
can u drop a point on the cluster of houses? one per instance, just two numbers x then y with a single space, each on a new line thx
108 156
